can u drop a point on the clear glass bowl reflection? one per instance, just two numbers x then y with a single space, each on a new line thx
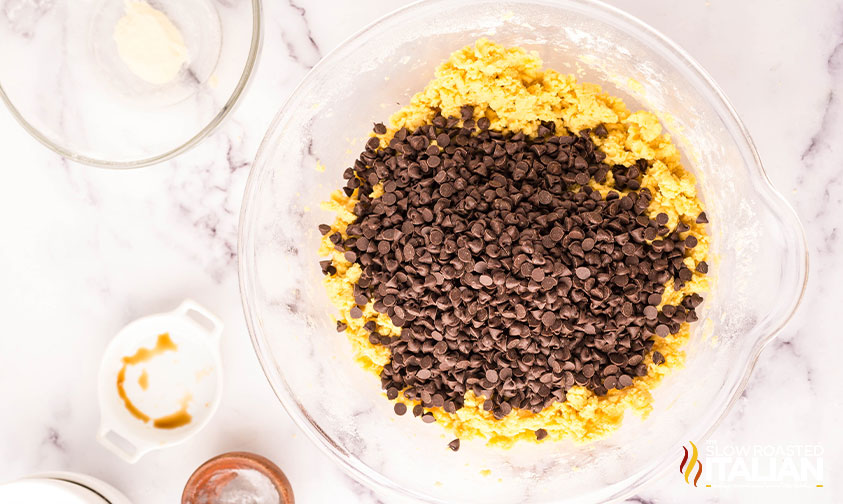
759 257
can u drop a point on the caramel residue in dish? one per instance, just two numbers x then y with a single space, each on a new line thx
121 391
177 419
163 345
143 380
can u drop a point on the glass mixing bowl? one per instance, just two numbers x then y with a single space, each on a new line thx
759 259
63 78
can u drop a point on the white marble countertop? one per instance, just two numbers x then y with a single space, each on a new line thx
87 250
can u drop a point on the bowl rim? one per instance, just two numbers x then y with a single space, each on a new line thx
375 479
230 104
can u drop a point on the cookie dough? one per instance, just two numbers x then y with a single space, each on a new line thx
510 88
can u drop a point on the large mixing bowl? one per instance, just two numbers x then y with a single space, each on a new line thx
758 253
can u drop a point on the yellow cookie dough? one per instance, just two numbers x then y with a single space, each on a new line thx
508 86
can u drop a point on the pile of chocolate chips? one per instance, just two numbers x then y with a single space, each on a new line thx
508 275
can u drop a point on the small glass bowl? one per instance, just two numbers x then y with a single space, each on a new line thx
758 256
62 77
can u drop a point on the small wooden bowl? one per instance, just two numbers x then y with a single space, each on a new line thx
203 484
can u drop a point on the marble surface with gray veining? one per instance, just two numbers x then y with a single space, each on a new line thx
86 250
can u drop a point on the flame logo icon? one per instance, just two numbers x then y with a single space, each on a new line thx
687 466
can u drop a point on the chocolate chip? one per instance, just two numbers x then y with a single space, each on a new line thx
505 408
327 267
400 408
601 131
581 178
436 237
541 434
702 218
583 272
702 267
691 241
341 326
454 445
658 358
355 312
